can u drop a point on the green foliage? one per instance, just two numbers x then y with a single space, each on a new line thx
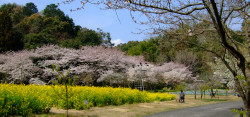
126 46
167 49
29 9
32 24
3 77
59 29
32 40
147 48
5 23
240 112
210 100
9 38
71 43
167 89
7 8
238 38
193 42
52 10
204 87
15 12
106 38
88 37
23 27
242 79
180 87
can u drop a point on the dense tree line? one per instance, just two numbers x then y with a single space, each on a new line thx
23 27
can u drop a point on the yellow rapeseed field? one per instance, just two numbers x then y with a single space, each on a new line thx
23 100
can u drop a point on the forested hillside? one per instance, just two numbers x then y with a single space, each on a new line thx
23 27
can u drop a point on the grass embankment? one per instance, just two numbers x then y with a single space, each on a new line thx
142 109
24 100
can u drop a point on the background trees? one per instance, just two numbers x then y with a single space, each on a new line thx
88 37
24 28
9 38
160 50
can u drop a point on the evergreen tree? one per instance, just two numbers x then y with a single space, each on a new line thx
9 38
29 9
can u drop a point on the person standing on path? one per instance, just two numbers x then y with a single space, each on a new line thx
182 96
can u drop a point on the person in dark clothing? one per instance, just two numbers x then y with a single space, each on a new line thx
182 96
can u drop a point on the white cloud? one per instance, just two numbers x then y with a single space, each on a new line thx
117 41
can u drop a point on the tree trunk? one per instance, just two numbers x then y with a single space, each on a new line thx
247 102
201 94
248 112
204 93
194 94
212 93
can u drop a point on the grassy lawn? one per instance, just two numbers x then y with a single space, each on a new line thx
140 109
209 100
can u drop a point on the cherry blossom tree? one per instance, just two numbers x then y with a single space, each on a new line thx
18 65
168 72
27 65
112 77
97 64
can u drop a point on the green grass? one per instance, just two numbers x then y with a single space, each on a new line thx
209 100
49 115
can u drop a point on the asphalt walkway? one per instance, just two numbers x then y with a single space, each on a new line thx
213 110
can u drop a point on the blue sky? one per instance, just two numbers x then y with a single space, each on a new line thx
92 17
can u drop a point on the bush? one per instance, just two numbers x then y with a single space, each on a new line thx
3 77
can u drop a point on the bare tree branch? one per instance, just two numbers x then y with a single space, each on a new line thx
166 10
221 7
235 9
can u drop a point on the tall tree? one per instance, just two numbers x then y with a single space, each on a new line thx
9 38
7 8
15 12
52 10
221 14
29 9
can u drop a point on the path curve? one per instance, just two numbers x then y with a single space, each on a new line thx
213 110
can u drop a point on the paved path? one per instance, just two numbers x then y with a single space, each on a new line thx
213 110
